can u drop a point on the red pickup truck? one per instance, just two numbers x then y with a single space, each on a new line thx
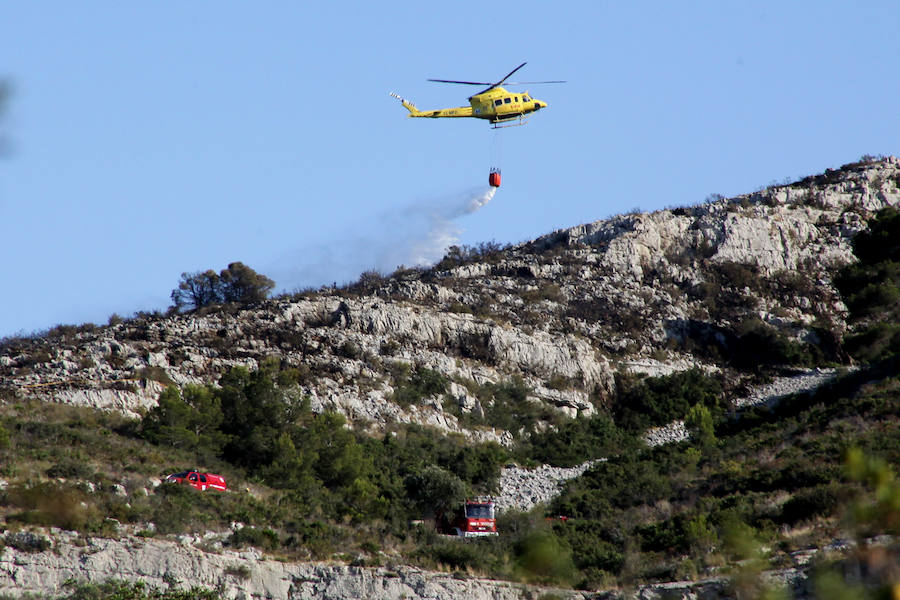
201 481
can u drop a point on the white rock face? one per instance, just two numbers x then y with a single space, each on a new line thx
127 402
238 575
247 575
522 489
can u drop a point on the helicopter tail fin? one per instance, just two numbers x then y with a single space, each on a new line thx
413 111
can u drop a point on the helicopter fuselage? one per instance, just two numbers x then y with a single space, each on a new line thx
495 105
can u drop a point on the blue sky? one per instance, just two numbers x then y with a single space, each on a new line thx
151 139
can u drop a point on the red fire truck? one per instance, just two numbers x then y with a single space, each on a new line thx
475 518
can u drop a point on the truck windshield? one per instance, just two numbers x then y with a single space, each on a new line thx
479 511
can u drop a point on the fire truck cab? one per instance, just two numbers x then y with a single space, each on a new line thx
475 518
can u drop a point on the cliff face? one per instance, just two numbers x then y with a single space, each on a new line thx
233 574
246 575
565 312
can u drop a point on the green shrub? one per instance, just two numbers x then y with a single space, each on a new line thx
421 384
506 406
821 500
592 549
320 539
388 348
52 504
542 557
27 541
114 589
191 420
699 422
456 554
70 468
761 344
238 571
264 539
435 490
573 441
653 401
349 349
874 342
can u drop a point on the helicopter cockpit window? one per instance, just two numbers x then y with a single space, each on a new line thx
498 102
507 100
525 98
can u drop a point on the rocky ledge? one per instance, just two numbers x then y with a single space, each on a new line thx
248 575
236 575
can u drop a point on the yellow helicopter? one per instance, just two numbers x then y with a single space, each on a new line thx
493 103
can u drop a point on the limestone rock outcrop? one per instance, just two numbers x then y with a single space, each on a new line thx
563 312
235 575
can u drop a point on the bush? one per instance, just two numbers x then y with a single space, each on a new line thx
875 342
114 589
320 539
591 547
654 401
70 468
421 384
821 500
575 440
761 344
435 490
52 504
456 555
238 571
27 542
264 539
543 558
349 349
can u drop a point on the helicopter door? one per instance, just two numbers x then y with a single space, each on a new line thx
498 106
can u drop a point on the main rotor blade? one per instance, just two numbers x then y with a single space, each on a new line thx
462 82
493 85
509 74
530 82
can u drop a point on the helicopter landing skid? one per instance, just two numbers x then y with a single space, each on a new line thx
503 124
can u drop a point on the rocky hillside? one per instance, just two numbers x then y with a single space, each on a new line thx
733 302
649 293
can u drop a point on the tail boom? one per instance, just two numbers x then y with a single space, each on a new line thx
460 111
